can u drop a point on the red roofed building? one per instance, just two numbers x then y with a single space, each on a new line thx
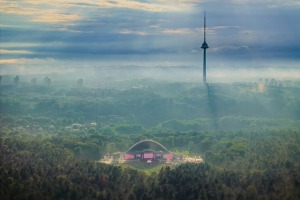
148 150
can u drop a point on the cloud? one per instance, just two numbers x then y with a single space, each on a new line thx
181 31
38 12
223 27
16 61
53 17
269 3
36 8
229 49
98 29
3 51
127 31
73 12
131 4
159 31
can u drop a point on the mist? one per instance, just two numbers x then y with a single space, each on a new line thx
217 71
106 100
243 121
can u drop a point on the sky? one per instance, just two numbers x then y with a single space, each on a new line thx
58 34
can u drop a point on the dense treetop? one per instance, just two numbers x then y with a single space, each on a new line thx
52 136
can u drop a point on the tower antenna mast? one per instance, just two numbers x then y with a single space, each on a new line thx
204 26
204 47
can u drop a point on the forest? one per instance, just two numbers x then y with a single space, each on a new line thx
53 132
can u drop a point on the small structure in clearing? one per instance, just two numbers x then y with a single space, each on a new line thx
148 151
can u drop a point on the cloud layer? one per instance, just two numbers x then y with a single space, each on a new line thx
143 30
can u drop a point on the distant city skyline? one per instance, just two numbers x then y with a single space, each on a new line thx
58 34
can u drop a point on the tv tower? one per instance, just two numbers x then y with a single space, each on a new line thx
204 47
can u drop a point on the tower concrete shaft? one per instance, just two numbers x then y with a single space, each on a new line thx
204 66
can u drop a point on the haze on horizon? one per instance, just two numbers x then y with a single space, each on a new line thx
246 38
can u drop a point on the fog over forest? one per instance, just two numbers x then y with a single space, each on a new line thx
189 73
55 127
107 99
